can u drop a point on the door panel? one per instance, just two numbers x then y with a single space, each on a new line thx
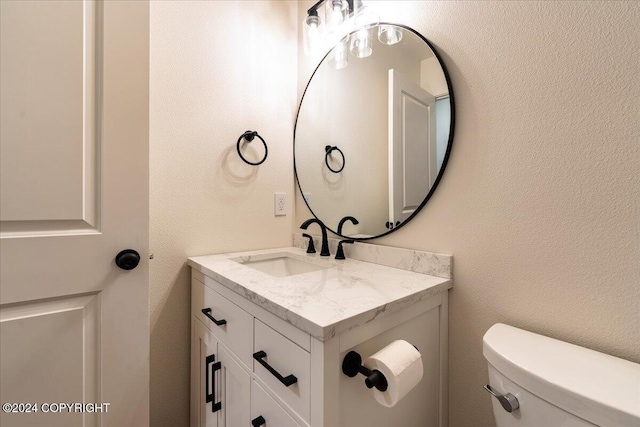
415 153
74 192
54 346
412 145
46 72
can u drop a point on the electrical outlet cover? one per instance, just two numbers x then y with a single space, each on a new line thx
280 204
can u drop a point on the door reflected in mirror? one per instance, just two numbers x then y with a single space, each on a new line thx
391 116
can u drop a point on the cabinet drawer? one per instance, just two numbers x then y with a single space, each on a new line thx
285 358
262 405
236 325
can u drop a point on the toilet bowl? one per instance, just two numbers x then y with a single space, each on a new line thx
550 383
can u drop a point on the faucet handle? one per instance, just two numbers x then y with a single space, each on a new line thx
340 251
311 249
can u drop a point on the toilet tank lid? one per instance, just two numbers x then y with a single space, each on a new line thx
597 387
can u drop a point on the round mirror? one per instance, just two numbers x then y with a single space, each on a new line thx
373 131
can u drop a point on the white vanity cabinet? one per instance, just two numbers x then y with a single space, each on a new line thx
229 387
264 371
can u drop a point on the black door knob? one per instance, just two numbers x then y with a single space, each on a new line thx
127 259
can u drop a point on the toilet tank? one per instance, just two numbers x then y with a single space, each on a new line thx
559 384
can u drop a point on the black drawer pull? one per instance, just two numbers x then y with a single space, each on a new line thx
260 421
210 397
288 380
207 312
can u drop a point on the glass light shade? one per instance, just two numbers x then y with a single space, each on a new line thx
312 35
389 34
339 56
335 12
361 43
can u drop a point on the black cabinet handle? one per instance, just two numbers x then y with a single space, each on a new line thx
210 397
207 312
260 421
288 380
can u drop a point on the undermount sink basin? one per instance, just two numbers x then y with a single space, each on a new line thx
280 265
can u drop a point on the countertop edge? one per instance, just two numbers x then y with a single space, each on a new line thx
283 313
322 333
368 316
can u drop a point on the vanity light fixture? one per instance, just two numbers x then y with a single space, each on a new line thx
342 17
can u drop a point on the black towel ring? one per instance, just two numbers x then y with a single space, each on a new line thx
249 135
328 149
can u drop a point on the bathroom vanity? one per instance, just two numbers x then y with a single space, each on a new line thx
270 329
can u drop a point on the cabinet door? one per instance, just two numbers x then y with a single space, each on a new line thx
235 391
217 374
204 372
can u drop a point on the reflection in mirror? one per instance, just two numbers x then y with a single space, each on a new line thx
391 115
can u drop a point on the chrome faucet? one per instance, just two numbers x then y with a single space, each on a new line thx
345 219
325 241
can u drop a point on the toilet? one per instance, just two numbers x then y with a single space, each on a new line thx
549 383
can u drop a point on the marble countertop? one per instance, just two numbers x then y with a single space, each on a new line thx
325 303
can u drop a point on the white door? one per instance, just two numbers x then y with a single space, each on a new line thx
412 146
74 328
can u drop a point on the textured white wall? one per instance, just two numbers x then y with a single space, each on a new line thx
217 69
540 202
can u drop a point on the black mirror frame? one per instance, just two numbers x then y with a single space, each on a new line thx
446 155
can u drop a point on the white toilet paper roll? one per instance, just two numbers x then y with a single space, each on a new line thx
401 364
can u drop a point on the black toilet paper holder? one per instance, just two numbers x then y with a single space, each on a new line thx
352 366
